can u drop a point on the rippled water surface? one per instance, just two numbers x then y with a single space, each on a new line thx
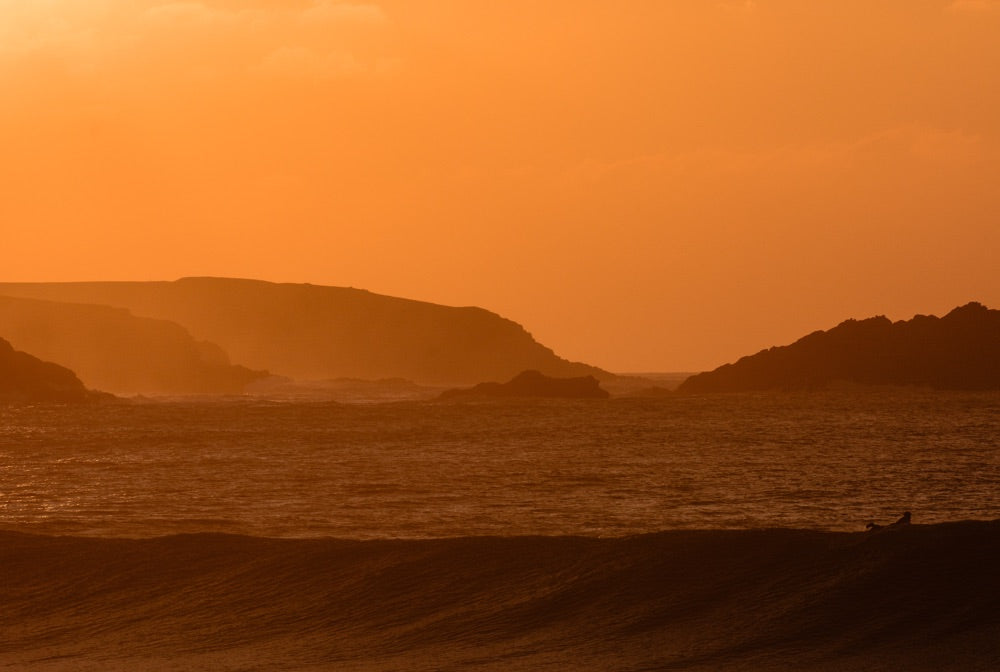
827 461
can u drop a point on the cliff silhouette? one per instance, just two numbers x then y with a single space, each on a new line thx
27 378
317 332
960 351
530 384
111 349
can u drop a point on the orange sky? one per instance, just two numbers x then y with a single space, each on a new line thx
645 185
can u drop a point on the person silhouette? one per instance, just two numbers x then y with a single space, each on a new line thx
904 520
871 526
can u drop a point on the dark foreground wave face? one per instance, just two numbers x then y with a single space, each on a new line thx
923 597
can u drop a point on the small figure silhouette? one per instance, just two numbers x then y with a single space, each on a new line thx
872 526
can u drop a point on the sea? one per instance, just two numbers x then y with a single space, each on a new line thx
723 531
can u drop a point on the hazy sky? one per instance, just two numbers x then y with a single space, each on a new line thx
645 185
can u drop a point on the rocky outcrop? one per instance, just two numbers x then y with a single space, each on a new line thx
113 350
533 384
960 351
314 332
27 378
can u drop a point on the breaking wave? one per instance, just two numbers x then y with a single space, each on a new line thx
922 597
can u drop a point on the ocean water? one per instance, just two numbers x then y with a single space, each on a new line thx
687 533
416 470
921 598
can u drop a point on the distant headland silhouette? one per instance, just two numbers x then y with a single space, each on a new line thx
230 336
113 350
27 378
314 332
960 351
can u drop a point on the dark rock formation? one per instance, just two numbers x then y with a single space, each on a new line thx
111 349
960 351
27 378
315 332
533 384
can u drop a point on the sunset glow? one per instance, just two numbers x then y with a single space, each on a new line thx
649 186
505 336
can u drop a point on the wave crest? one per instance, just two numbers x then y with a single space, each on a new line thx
915 598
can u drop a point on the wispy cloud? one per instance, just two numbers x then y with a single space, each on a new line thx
328 11
186 12
322 39
42 25
974 6
911 143
739 6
